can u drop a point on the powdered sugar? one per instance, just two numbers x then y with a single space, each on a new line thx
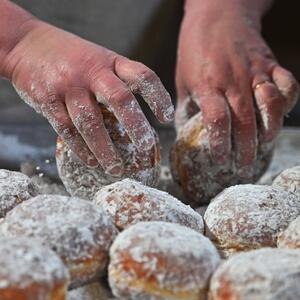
28 99
289 180
83 181
74 228
261 274
185 110
245 217
156 96
15 188
171 257
130 202
290 238
25 262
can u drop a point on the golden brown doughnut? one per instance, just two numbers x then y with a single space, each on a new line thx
15 188
246 217
78 231
193 169
289 180
160 260
290 238
130 202
83 181
264 274
30 271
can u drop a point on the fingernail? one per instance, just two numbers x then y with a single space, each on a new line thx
147 142
92 161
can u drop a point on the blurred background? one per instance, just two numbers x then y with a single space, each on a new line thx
146 31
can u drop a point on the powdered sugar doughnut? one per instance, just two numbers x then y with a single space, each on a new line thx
290 238
30 271
289 180
79 232
201 179
130 202
15 188
83 181
93 291
264 274
160 260
245 217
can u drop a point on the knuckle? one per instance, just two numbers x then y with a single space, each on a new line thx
87 124
148 75
120 97
64 128
219 117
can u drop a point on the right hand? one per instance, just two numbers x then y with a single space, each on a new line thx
62 76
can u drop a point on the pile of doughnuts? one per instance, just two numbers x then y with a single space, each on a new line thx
134 242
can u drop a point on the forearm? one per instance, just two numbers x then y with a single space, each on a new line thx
254 10
15 23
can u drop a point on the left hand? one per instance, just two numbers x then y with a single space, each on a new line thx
227 71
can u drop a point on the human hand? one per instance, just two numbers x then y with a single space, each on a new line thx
62 76
226 70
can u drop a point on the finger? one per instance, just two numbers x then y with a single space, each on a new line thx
112 92
87 118
145 82
244 131
216 117
271 106
58 116
287 85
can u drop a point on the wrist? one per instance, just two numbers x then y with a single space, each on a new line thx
251 11
15 24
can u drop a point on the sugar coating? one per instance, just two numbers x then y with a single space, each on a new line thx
245 217
290 238
264 274
15 188
74 228
130 202
93 291
156 96
24 261
200 177
28 99
289 180
173 257
83 181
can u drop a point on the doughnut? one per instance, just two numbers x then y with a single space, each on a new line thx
130 202
193 168
290 238
160 260
92 291
289 180
30 271
83 181
263 274
79 232
15 188
246 217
